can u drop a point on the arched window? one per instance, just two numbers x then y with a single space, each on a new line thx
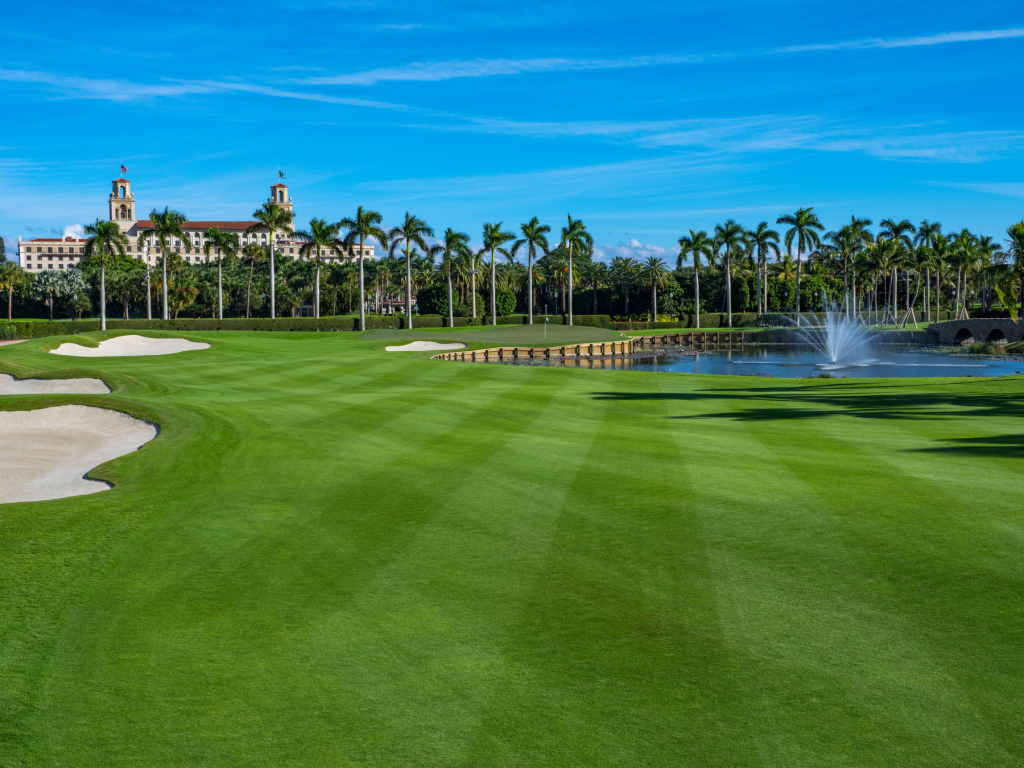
124 212
122 191
280 195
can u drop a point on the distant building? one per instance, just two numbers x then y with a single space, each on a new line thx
57 253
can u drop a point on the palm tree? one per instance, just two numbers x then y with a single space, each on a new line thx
926 233
624 270
105 235
166 225
455 245
763 241
574 236
253 252
320 235
11 276
365 224
534 237
729 236
273 218
494 239
412 232
226 244
596 275
696 245
655 273
803 228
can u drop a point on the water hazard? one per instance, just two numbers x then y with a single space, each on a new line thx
799 361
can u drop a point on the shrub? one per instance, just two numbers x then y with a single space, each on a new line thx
8 331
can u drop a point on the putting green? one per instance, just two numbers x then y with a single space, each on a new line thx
335 555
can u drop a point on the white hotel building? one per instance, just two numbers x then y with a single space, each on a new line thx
55 253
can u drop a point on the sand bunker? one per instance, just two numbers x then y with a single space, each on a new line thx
12 386
130 346
424 346
44 454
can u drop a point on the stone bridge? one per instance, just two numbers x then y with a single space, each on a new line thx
983 329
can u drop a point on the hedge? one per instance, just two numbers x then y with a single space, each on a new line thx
38 329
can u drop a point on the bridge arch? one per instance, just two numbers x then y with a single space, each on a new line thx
963 336
997 336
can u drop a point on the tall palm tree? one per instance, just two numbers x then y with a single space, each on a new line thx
412 232
730 237
763 241
624 270
104 235
696 245
273 218
319 236
574 237
166 224
927 231
903 232
803 228
656 274
455 245
253 252
595 276
365 224
11 277
225 244
494 240
534 237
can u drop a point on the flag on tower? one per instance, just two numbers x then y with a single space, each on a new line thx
280 174
123 169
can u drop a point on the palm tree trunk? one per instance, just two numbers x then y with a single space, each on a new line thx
273 296
248 288
10 301
529 284
626 290
362 290
408 286
654 301
570 283
927 297
957 303
494 295
451 309
759 308
125 306
316 291
595 297
164 265
798 286
728 286
938 293
696 294
103 290
472 288
51 305
846 285
220 289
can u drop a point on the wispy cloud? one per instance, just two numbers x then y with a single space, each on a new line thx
943 38
426 71
115 90
1001 188
448 70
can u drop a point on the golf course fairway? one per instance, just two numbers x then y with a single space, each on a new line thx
334 555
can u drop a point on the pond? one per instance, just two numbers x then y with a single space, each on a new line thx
798 361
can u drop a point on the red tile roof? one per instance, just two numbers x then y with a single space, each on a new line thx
117 180
55 240
148 224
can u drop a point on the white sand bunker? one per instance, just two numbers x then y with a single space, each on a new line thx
12 386
130 346
424 346
44 454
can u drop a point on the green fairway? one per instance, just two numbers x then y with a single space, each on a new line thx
334 555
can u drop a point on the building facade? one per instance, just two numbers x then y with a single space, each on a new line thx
64 253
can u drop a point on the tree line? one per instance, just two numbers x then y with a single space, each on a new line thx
890 273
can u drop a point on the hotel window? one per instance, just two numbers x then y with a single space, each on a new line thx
60 250
177 250
291 250
177 242
49 250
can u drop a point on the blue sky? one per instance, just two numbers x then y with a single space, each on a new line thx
643 119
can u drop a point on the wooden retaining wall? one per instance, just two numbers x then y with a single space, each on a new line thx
502 354
695 337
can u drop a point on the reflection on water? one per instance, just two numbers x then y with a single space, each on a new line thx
795 361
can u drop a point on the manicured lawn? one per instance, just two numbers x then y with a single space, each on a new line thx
504 335
333 555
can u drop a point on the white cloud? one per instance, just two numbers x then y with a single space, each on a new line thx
73 230
634 249
433 71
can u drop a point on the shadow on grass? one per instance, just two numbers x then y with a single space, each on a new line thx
1001 446
864 401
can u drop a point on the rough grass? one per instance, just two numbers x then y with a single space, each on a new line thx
334 555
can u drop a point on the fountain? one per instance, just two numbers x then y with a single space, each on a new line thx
842 340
